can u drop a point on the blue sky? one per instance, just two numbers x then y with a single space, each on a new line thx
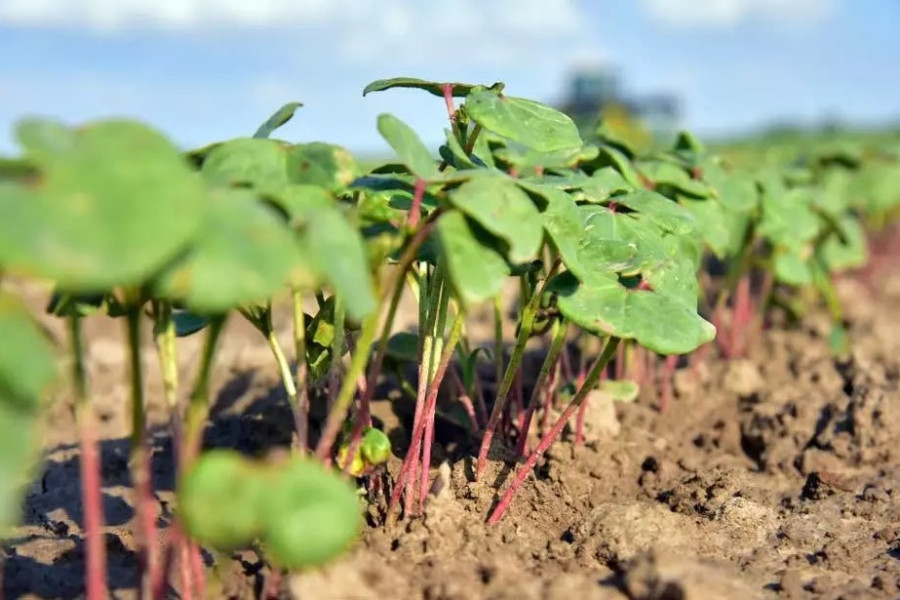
206 70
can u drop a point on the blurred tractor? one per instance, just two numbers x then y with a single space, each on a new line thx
596 104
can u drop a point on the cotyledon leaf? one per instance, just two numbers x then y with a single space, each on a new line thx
502 208
278 118
526 122
406 143
110 210
435 88
656 321
476 268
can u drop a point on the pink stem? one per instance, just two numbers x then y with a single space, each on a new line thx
363 420
465 401
92 501
158 585
620 363
198 571
448 100
550 396
418 194
184 568
520 401
545 443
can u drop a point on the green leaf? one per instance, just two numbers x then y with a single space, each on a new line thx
666 173
668 215
502 208
792 268
604 306
310 515
258 163
27 369
852 252
787 216
326 165
621 390
110 211
583 251
279 118
219 500
408 146
476 269
188 323
244 254
44 139
375 447
403 346
338 253
526 122
559 159
435 88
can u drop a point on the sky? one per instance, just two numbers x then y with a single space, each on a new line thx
207 70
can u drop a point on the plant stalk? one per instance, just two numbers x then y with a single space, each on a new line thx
590 381
89 459
558 337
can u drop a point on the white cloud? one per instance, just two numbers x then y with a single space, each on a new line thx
407 32
727 13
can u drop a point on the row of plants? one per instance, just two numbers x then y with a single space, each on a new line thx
635 259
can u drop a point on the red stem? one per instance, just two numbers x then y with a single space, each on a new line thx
448 101
554 432
418 194
465 401
198 571
520 401
550 396
92 504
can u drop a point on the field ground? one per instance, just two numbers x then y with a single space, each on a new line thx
772 477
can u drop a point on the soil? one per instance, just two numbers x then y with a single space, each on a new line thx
775 476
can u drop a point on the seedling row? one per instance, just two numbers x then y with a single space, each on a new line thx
643 260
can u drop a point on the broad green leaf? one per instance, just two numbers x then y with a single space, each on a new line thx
375 447
244 254
792 268
110 211
337 251
559 159
611 157
668 262
27 369
278 118
188 323
476 269
852 252
326 165
656 321
621 390
584 252
406 143
668 215
296 200
670 174
311 515
502 208
715 225
436 88
44 139
258 163
787 217
403 346
219 500
526 122
688 148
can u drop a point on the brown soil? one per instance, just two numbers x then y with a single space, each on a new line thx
772 477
